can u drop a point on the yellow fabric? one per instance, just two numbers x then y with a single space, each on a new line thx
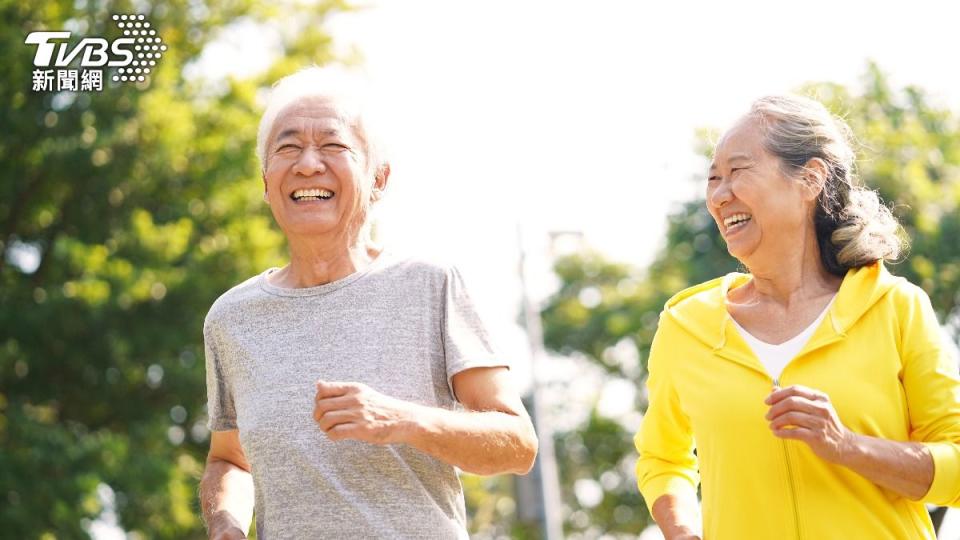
878 354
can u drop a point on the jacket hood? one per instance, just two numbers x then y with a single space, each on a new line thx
701 310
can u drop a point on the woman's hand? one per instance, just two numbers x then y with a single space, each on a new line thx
904 467
804 414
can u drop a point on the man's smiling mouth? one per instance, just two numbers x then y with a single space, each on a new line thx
315 194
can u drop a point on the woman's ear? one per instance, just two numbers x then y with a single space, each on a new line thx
814 177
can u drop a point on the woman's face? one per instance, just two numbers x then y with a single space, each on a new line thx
315 176
761 213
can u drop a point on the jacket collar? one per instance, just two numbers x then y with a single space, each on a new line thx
701 311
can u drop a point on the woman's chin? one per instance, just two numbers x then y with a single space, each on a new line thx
740 252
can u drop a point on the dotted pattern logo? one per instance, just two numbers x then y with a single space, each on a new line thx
148 49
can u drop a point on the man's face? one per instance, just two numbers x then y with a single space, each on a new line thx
315 173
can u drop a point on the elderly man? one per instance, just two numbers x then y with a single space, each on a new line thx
346 387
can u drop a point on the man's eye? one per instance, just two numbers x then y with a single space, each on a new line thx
288 146
335 147
713 178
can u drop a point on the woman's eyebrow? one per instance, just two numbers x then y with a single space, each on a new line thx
735 157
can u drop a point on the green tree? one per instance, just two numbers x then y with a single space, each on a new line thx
910 153
142 205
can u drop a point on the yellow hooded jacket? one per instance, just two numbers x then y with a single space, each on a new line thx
880 356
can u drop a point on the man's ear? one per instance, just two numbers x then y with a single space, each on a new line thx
264 178
382 176
380 179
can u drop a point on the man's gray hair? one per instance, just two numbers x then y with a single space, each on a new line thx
337 85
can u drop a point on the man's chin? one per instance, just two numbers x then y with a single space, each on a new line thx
318 228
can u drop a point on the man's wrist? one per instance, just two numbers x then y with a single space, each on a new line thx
413 422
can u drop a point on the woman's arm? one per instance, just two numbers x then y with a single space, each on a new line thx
926 468
667 468
903 467
676 516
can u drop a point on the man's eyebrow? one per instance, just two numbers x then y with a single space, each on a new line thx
294 132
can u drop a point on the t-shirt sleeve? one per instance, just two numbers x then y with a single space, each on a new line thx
222 416
466 343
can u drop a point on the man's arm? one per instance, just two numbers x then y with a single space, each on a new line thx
494 435
226 489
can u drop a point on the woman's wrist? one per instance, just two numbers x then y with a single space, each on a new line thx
851 449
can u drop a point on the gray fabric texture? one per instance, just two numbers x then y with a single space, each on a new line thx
404 327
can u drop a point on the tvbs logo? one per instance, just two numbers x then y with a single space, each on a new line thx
134 55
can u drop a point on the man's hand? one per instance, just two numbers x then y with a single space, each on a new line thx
223 526
355 411
493 436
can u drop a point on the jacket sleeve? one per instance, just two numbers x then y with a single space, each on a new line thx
931 381
667 464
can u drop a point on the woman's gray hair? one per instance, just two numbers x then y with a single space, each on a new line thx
337 85
854 228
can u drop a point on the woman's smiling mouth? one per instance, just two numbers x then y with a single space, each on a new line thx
735 222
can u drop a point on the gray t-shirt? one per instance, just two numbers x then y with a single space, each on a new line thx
403 327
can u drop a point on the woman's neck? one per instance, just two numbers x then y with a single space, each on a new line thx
794 275
793 283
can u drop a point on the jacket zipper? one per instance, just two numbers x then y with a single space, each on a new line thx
790 481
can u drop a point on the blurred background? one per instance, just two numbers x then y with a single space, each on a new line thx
555 151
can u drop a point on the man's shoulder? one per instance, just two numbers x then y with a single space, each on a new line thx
418 267
234 299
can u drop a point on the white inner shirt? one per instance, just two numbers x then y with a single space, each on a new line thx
775 357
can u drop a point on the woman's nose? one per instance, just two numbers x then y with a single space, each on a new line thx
720 195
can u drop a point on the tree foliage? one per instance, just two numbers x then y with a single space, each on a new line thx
143 206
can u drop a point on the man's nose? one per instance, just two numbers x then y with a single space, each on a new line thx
310 162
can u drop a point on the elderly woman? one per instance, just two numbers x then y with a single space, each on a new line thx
862 425
346 387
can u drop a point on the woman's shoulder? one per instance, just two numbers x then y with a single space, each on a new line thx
707 295
898 290
910 300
